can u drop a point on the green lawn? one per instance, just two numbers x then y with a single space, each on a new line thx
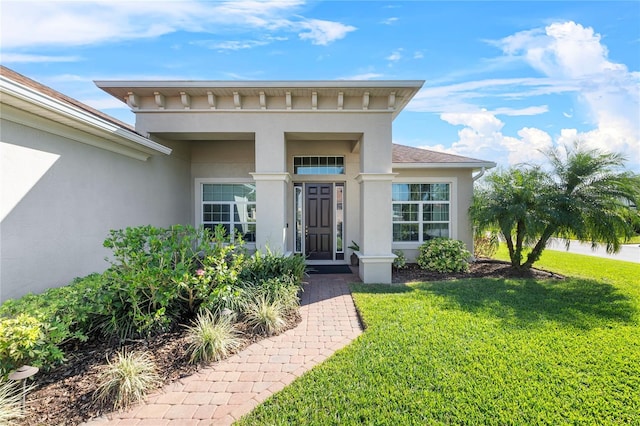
487 351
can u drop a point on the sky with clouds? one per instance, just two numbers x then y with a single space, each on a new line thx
503 80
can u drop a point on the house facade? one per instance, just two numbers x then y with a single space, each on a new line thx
303 167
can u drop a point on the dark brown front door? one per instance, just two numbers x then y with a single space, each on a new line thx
319 233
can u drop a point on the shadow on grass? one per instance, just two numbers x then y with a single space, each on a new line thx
580 303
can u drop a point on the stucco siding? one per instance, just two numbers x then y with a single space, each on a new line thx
60 198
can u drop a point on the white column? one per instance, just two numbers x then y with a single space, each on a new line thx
272 180
375 181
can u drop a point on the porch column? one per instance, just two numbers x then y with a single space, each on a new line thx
375 181
272 180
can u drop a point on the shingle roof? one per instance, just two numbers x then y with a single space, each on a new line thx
407 154
45 90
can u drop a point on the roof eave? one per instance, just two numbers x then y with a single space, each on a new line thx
462 165
115 133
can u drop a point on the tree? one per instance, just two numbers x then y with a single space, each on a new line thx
587 195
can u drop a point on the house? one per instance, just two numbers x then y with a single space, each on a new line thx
297 166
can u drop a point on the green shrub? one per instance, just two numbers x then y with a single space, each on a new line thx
211 338
400 261
151 282
444 255
126 380
27 340
264 266
214 284
485 245
70 311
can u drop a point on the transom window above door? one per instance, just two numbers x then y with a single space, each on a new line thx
318 165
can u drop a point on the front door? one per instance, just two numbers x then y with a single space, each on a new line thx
319 218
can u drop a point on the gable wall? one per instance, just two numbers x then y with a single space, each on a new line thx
73 194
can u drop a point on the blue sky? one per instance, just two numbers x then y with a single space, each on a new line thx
504 80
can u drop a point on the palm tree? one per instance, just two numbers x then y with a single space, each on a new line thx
587 196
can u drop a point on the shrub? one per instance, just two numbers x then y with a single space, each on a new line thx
265 316
211 338
150 283
400 261
70 310
27 340
54 317
485 245
213 285
10 402
126 380
263 266
444 255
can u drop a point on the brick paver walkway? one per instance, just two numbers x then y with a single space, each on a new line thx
229 389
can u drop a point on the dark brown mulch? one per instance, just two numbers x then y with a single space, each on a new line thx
64 396
482 268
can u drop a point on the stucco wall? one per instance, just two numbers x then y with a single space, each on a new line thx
61 197
463 183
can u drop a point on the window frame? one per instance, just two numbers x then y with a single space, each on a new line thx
199 210
452 203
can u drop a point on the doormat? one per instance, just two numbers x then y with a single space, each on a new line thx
328 269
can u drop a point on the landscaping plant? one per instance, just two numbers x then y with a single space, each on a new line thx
444 255
127 379
485 244
212 338
400 260
146 290
587 196
27 340
265 316
10 402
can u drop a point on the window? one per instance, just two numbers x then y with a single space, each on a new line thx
232 206
318 165
420 211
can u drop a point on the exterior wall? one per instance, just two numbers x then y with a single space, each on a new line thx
60 198
460 198
368 188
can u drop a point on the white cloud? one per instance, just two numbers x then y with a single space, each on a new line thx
27 24
231 44
13 58
571 60
323 32
390 21
365 76
611 93
418 55
482 137
395 56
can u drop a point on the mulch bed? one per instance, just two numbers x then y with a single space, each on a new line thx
482 268
63 396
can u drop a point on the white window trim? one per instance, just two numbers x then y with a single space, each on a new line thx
198 198
453 207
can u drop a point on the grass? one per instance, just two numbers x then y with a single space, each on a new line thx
483 351
212 338
127 380
10 402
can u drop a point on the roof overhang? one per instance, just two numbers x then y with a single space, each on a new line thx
475 165
210 95
109 135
